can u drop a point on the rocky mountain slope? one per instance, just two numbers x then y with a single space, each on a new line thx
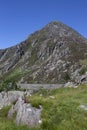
54 54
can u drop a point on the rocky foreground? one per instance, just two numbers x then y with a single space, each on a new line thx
44 109
25 113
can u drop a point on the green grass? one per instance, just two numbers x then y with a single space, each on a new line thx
14 75
84 62
62 112
59 113
4 111
10 125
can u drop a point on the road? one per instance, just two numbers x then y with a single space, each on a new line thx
40 86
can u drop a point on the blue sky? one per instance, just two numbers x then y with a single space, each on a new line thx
19 18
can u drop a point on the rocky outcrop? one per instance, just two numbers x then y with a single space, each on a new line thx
25 113
69 84
84 107
7 98
81 78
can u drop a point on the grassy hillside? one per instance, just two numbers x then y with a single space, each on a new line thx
61 110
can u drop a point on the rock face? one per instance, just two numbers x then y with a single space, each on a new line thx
26 114
7 98
50 55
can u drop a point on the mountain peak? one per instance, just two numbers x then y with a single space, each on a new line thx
56 24
58 29
51 55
